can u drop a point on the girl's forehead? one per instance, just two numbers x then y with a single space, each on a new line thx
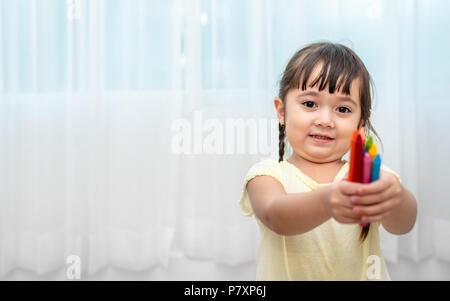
354 91
315 73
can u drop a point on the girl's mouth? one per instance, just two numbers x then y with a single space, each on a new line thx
321 139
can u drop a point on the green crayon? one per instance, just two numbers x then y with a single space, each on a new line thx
369 143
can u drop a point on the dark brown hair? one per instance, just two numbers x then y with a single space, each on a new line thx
339 62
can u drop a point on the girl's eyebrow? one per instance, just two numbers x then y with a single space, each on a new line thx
313 93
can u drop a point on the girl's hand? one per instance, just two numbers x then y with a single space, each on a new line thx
337 202
375 201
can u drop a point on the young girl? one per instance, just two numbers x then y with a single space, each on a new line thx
310 217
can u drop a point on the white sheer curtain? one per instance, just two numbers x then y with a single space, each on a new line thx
91 105
86 105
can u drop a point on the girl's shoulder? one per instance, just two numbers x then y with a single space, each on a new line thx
388 169
268 167
264 167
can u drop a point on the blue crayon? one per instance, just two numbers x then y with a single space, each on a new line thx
376 168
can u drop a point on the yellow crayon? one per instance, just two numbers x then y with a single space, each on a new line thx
373 151
362 131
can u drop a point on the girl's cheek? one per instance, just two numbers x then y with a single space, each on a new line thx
297 125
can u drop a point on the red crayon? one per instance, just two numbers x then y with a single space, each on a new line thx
352 156
356 158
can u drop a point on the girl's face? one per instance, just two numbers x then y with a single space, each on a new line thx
312 112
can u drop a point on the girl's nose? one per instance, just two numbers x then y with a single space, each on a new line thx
324 119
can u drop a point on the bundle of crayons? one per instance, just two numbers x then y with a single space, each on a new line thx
364 161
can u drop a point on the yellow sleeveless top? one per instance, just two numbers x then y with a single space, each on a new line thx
331 251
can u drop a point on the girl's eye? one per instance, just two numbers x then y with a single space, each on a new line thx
308 102
345 108
311 104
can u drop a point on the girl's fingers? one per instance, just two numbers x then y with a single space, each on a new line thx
373 199
368 200
348 213
375 218
384 205
350 188
378 186
346 203
373 210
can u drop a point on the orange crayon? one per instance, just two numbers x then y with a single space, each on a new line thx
362 131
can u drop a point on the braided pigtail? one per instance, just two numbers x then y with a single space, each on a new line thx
282 134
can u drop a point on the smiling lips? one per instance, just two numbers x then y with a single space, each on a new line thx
320 135
321 138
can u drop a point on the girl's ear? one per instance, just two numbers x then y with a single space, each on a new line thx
279 106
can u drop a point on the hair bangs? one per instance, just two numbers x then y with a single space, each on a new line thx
339 69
